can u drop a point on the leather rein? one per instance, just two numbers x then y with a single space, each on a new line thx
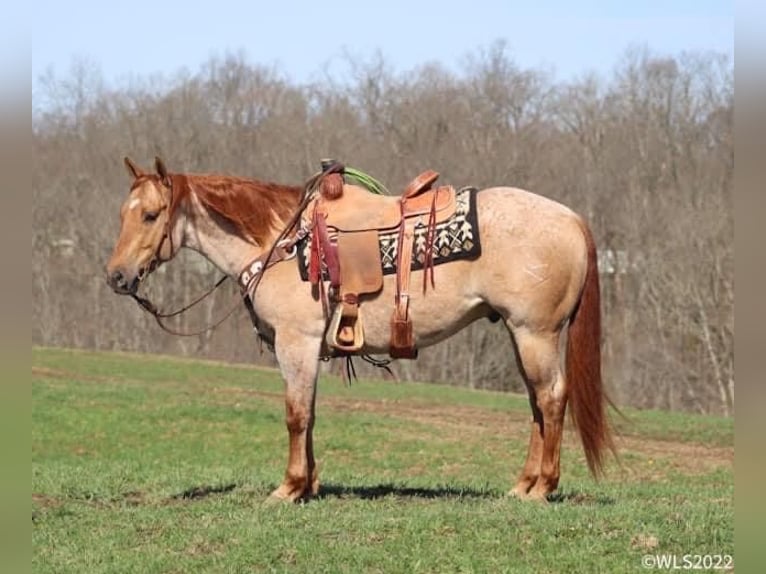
281 250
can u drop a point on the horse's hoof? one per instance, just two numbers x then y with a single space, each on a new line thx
280 496
537 496
274 499
521 490
524 492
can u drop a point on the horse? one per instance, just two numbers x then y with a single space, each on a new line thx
537 272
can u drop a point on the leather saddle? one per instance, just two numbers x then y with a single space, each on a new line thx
358 209
346 221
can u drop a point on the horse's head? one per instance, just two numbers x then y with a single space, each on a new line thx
146 232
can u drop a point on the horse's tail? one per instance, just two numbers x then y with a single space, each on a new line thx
586 394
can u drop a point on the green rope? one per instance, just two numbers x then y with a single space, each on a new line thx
365 180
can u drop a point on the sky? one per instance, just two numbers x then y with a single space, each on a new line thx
305 40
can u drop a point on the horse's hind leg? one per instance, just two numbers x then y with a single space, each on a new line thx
531 470
539 360
298 361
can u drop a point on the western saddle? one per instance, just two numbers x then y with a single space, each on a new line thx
346 222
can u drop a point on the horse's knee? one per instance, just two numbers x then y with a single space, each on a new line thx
296 418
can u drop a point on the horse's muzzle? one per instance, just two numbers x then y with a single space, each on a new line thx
121 283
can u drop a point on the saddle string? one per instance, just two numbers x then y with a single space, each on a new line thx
348 370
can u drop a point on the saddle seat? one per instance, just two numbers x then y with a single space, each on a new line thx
359 210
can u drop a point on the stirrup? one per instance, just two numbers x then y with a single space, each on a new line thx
345 332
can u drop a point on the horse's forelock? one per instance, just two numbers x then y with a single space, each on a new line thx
142 179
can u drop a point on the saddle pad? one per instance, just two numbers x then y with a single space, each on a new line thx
455 238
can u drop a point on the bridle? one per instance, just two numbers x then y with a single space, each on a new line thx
157 258
282 249
156 261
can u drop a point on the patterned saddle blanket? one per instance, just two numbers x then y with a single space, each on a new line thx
455 238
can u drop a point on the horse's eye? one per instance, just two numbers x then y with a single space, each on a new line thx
151 216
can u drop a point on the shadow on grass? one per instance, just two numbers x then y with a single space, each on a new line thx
575 498
384 490
197 492
374 492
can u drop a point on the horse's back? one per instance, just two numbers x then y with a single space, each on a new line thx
524 205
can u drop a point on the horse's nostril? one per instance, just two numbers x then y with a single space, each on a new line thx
117 279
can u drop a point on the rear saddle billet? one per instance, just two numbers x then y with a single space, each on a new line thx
346 221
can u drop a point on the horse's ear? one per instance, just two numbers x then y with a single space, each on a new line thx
162 171
133 170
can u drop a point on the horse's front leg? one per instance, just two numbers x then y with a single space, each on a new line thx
298 360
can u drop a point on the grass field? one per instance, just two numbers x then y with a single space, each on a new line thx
155 464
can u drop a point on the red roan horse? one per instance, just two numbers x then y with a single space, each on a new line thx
537 271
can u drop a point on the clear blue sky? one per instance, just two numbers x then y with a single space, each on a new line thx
141 37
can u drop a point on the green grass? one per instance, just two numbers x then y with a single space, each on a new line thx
155 464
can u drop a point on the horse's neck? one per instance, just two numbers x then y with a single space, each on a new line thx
216 241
